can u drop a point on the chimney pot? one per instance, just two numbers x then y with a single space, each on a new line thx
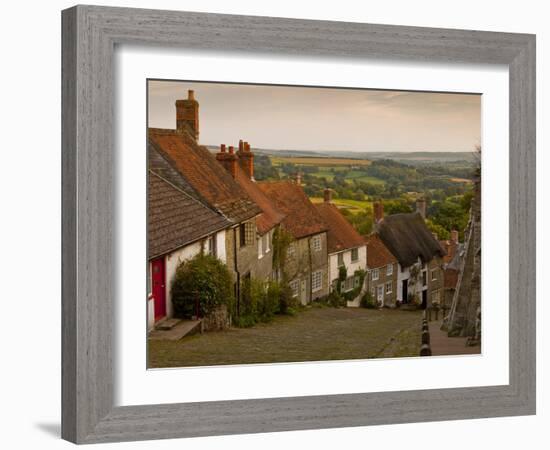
222 148
190 94
241 145
327 195
454 236
231 150
378 208
421 207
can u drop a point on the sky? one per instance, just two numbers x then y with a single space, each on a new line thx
307 118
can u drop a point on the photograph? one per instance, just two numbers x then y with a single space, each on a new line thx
294 223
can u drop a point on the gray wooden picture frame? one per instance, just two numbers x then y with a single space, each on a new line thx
90 34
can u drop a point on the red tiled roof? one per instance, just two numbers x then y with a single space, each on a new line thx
302 218
206 175
270 215
340 235
450 277
378 254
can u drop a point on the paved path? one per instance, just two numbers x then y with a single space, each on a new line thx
315 334
442 344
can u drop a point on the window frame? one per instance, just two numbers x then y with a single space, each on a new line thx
313 275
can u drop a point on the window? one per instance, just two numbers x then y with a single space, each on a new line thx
435 297
260 248
340 259
267 238
354 254
349 284
242 234
316 281
247 234
291 250
434 274
424 278
389 269
375 274
356 281
316 243
294 286
389 287
380 294
211 246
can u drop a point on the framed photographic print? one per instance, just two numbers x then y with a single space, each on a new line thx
277 224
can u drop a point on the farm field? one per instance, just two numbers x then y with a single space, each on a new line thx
353 206
303 161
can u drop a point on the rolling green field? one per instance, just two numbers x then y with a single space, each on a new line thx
353 206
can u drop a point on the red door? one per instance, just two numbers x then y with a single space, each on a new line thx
159 288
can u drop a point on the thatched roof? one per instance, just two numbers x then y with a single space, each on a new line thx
408 238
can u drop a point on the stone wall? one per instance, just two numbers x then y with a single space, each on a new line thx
464 318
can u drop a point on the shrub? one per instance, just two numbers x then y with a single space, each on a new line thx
367 301
287 302
260 301
335 300
202 283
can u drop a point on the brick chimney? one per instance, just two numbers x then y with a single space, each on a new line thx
378 209
246 159
228 159
327 195
421 207
187 115
454 236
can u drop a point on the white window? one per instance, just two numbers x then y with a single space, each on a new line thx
354 254
380 293
316 281
295 286
389 269
260 248
389 287
375 274
267 238
349 284
434 274
340 259
435 297
316 243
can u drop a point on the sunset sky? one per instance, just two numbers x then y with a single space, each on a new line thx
303 118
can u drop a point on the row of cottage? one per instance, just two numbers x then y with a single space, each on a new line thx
204 202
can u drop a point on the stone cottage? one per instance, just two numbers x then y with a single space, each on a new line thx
382 270
306 262
214 185
346 248
270 217
419 255
179 227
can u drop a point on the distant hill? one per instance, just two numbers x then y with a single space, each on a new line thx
411 158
